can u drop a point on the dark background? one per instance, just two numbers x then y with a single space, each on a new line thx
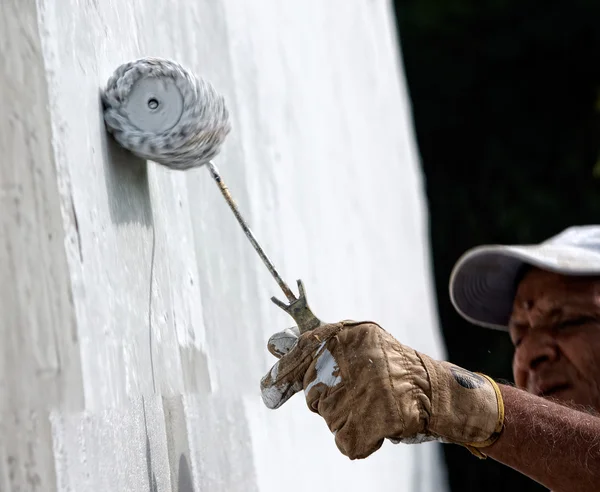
506 106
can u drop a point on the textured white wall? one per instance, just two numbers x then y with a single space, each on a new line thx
126 370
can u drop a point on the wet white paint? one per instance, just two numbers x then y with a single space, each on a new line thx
134 332
327 370
416 439
272 396
285 340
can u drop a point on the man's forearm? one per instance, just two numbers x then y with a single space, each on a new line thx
557 446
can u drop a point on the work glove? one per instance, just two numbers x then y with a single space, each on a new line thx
368 387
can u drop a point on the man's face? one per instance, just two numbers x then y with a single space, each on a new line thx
555 328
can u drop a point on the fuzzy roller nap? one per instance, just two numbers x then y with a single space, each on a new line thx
159 111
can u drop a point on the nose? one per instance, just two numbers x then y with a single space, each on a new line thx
534 350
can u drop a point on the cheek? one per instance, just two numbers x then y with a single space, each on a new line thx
583 353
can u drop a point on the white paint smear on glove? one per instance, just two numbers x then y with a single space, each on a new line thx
326 367
272 395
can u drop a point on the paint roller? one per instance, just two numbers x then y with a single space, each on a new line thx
160 111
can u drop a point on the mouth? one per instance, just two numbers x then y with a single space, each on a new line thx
552 390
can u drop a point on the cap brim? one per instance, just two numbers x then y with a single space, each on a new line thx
483 282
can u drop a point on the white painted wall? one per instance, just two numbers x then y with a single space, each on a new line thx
123 373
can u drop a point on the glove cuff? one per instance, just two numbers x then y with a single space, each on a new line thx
473 447
466 408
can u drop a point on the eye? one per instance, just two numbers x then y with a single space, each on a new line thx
516 339
517 342
517 331
576 322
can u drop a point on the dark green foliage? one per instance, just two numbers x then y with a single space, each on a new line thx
506 107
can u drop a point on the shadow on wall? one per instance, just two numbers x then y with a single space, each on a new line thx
184 480
151 474
184 475
126 183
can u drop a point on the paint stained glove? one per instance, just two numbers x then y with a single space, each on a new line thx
368 387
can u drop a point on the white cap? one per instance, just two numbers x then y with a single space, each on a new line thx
483 282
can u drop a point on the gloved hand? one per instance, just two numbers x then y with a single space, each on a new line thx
368 387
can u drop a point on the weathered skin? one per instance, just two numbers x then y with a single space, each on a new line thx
555 327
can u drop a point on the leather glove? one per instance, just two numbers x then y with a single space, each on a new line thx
368 387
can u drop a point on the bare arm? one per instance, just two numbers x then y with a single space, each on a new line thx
556 446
